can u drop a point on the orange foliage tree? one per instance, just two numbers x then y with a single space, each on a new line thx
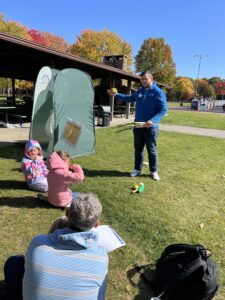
94 45
203 86
56 42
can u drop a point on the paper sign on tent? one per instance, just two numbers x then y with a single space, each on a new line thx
71 132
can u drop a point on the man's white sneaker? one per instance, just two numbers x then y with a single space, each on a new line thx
135 173
155 176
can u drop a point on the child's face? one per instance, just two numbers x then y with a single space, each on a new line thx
34 153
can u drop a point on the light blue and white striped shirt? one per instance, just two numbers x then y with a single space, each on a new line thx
64 265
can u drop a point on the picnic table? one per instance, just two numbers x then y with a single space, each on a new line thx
4 110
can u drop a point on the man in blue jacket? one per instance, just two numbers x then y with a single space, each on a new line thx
151 106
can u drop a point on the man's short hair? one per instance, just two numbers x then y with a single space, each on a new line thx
146 72
84 212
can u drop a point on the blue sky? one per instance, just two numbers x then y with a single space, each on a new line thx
189 27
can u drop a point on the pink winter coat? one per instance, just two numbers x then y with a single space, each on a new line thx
59 178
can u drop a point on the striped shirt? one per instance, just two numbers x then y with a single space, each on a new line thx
64 265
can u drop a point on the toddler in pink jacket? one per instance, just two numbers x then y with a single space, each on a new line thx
60 175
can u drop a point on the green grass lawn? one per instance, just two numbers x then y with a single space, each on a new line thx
177 104
195 119
191 192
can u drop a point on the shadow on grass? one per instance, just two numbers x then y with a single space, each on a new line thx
13 184
2 290
12 150
124 129
28 202
105 173
140 277
17 169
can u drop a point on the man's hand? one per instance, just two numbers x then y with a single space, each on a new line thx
112 92
149 124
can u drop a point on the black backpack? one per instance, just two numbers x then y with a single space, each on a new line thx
185 272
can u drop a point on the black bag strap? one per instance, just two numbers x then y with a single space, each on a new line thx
182 247
177 279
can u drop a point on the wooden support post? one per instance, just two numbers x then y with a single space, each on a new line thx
128 103
112 98
13 90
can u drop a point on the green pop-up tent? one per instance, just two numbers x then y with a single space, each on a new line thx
61 99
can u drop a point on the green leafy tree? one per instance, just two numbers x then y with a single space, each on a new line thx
156 56
214 80
94 45
210 91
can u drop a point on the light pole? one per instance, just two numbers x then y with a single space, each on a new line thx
200 56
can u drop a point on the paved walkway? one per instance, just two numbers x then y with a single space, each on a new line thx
194 130
14 135
175 128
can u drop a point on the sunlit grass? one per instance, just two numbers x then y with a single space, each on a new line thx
191 192
177 104
195 119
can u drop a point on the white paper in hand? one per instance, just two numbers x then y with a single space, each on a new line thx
108 238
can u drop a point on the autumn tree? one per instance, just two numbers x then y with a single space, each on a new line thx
184 89
56 42
13 28
220 88
202 86
24 84
156 57
5 83
37 37
94 45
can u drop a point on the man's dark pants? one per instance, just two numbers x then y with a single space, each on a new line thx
146 136
14 271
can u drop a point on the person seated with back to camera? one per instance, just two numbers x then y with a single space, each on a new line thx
61 174
33 167
65 264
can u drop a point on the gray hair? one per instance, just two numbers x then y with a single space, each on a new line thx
84 212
